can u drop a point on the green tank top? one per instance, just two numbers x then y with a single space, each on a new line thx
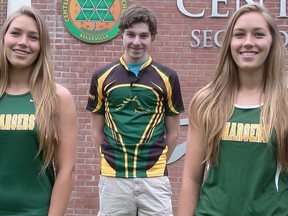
23 189
247 179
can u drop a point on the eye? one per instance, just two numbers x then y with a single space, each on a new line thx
144 36
34 37
129 35
14 33
238 34
259 35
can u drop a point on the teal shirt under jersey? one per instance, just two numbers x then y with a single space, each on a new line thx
23 190
135 68
246 181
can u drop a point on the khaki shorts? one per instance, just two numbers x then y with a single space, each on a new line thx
135 196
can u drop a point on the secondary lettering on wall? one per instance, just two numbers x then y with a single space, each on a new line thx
212 37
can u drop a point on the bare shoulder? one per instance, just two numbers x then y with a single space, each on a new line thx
64 95
63 92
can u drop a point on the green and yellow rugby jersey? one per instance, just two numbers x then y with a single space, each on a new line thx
24 191
247 180
135 109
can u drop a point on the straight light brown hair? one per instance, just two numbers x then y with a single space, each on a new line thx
41 85
213 105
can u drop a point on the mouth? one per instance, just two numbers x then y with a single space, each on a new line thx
248 53
21 52
136 48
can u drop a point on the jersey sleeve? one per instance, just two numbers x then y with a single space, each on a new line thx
174 105
95 102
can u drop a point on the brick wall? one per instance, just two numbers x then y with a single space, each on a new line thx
75 61
3 11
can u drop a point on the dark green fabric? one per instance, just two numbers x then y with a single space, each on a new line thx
246 181
23 190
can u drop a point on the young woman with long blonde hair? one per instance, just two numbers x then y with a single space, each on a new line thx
238 126
37 122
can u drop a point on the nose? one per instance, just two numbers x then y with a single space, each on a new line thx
23 40
137 40
248 42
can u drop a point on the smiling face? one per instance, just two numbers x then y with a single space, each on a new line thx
251 42
21 42
136 41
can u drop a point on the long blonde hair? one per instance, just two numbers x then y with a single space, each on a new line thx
213 105
41 85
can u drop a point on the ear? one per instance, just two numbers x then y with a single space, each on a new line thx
120 34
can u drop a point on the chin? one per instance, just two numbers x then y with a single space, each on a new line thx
136 58
249 68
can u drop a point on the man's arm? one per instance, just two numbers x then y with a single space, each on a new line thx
97 130
172 125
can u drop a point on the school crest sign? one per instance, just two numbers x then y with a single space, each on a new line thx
93 21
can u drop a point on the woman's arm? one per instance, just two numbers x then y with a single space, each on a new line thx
193 172
65 159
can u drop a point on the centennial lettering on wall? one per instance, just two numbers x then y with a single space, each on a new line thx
211 36
93 21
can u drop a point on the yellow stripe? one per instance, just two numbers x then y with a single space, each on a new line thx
99 88
147 134
113 125
169 89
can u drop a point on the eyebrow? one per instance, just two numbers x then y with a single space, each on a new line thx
19 29
131 31
243 29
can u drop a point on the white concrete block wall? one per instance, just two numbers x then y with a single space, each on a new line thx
15 4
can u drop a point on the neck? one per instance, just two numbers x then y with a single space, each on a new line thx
134 61
18 82
249 96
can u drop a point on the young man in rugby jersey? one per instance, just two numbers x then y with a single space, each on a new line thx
135 104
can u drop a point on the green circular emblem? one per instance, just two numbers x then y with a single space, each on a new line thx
93 21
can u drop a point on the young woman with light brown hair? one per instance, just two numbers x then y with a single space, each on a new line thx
37 122
238 126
